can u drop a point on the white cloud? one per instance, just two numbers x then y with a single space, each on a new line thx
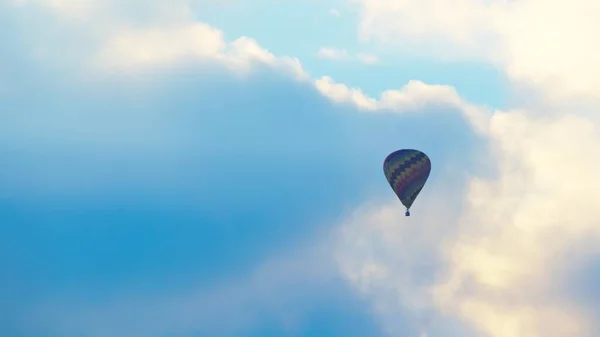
341 93
152 47
334 12
499 265
192 42
436 24
413 96
555 51
547 45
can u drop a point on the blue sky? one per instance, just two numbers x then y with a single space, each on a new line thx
302 28
180 196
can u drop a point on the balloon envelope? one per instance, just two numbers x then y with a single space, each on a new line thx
407 171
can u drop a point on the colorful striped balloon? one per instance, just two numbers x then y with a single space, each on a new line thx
406 172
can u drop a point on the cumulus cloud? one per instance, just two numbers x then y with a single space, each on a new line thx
543 201
553 52
499 265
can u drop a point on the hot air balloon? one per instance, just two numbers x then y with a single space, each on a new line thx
407 171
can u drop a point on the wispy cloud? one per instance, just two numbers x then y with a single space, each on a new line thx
332 53
367 58
342 54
